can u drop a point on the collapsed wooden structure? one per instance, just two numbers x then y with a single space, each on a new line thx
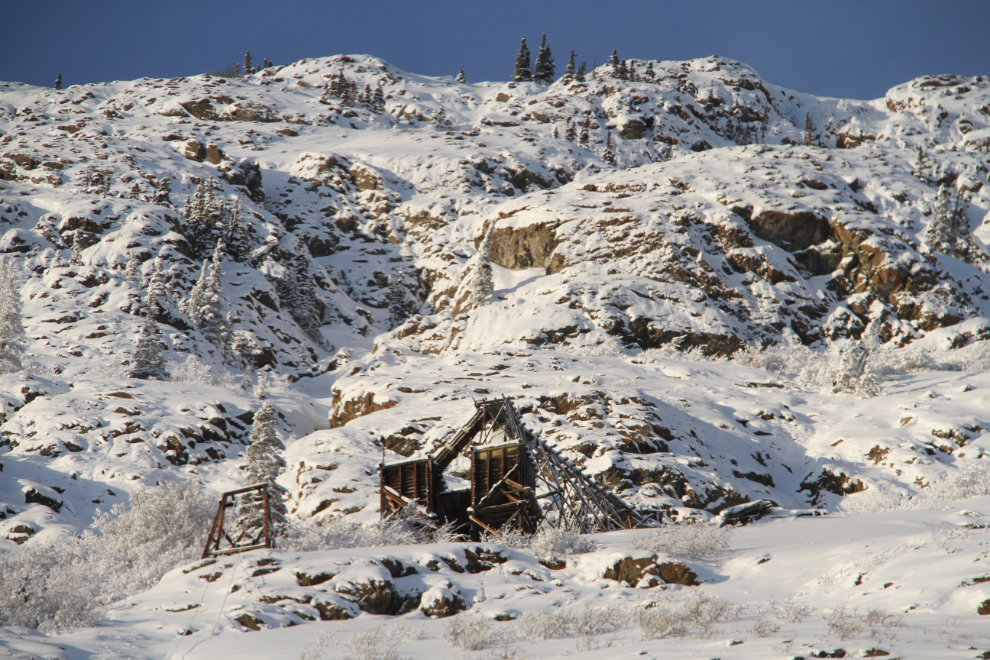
512 471
265 537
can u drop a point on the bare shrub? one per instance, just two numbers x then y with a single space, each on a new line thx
845 623
318 650
574 622
69 582
404 527
785 611
972 479
691 541
475 633
380 642
699 612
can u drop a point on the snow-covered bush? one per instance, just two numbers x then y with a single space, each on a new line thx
475 633
972 479
574 621
401 528
845 623
700 611
548 542
194 370
381 642
68 582
691 541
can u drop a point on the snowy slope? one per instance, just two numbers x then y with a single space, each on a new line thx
708 226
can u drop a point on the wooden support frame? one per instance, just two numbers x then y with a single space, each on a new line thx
265 539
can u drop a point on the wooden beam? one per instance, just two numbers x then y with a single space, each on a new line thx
490 530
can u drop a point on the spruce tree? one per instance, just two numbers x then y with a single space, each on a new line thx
58 82
613 62
163 192
237 70
571 133
76 258
12 337
809 131
609 155
149 363
581 72
204 306
264 464
545 68
439 119
477 286
621 72
585 136
133 271
523 69
157 287
248 64
378 101
650 74
571 68
461 78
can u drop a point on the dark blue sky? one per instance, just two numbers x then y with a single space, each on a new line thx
853 49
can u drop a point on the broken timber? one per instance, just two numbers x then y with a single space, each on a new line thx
264 539
508 481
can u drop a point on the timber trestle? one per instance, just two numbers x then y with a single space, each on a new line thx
509 479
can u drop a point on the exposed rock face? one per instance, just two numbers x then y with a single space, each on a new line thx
526 247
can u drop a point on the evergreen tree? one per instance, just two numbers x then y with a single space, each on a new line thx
477 286
809 131
571 133
12 337
133 271
76 258
922 165
523 70
248 65
948 232
439 119
235 233
297 294
163 192
613 62
157 287
204 306
58 82
622 73
135 191
571 68
149 363
237 70
545 68
461 78
264 464
581 72
650 74
585 136
347 95
609 155
367 94
378 101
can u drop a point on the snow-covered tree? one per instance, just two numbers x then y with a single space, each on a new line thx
58 81
609 155
809 131
133 271
248 64
571 133
579 76
204 306
613 62
163 191
476 284
948 232
523 68
12 336
461 78
297 295
545 69
157 286
264 464
571 68
650 75
439 119
76 258
378 101
149 363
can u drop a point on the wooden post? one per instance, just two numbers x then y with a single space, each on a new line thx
269 543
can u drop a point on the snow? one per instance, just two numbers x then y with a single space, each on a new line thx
668 245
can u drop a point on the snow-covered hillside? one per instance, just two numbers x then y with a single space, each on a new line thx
650 234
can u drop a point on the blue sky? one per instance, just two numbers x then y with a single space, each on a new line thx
839 48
